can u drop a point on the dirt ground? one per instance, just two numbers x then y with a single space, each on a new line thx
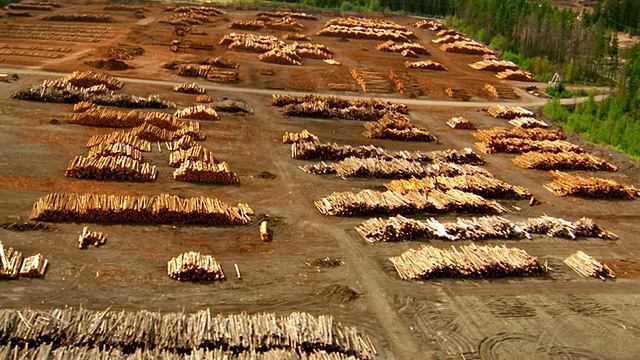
559 315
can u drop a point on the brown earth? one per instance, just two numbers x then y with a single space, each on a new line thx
559 315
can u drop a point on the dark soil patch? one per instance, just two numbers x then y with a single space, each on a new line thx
110 64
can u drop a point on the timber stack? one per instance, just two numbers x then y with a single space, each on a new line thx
34 266
194 152
519 145
509 112
105 167
150 132
396 126
87 18
466 47
198 112
466 261
425 65
494 65
501 91
87 79
91 238
160 209
489 135
557 227
587 266
283 56
122 137
335 107
205 172
432 25
296 37
515 75
449 39
363 28
311 51
392 46
563 161
190 88
565 184
10 262
528 122
204 98
458 122
368 167
193 266
89 334
405 84
368 202
304 135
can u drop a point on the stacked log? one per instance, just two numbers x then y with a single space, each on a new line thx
150 132
195 152
528 122
91 238
563 161
565 184
461 94
425 65
369 202
500 91
203 98
335 107
466 47
222 76
233 106
362 28
397 127
304 135
285 23
160 209
115 149
489 135
458 122
428 24
291 14
409 53
10 262
400 228
465 261
93 18
479 184
184 142
340 103
247 25
508 112
449 39
368 167
198 112
370 80
34 266
311 51
494 65
587 266
518 145
515 75
219 62
193 266
205 172
447 32
296 37
105 117
124 137
250 42
392 46
192 88
405 84
111 168
283 56
86 79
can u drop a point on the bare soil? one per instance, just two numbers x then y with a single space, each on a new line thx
559 315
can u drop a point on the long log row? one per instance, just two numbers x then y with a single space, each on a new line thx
494 65
161 209
311 51
397 126
86 79
515 75
392 46
565 184
247 25
307 150
283 14
362 28
449 39
466 261
116 149
400 228
249 42
203 98
501 91
123 137
466 47
196 152
368 202
563 161
204 172
539 134
425 65
95 18
198 112
190 88
76 332
111 168
587 266
508 112
528 122
193 266
340 103
282 56
368 167
519 145
479 184
105 117
91 238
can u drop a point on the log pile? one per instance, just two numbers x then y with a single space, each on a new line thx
362 28
336 107
111 168
203 98
193 266
342 87
192 88
449 39
33 6
340 103
515 75
160 209
251 43
465 261
371 80
304 135
311 51
528 122
500 91
74 333
219 62
479 184
565 184
296 37
557 227
466 47
123 137
105 117
367 202
198 112
223 76
93 18
396 126
563 161
428 24
34 266
461 94
283 56
194 152
285 23
87 79
91 238
247 25
205 172
124 52
10 262
495 133
425 65
587 266
405 84
458 122
150 132
185 142
392 46
291 14
494 65
508 112
368 167
519 145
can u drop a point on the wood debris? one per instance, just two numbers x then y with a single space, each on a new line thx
193 266
332 62
426 65
488 135
563 161
284 14
405 84
34 266
367 202
190 88
371 80
500 91
304 135
458 122
285 23
363 28
161 209
198 112
106 167
91 238
396 126
515 75
465 261
528 122
587 266
565 184
509 112
392 46
205 172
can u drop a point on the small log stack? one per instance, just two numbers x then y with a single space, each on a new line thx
465 261
396 126
203 98
311 51
123 137
528 123
222 76
458 122
34 266
264 231
426 65
449 39
285 23
111 168
205 172
563 161
190 88
461 94
339 103
283 56
247 25
509 112
494 65
91 238
466 47
198 112
587 266
304 135
10 262
150 132
515 75
193 266
392 46
195 152
296 37
565 184
368 167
